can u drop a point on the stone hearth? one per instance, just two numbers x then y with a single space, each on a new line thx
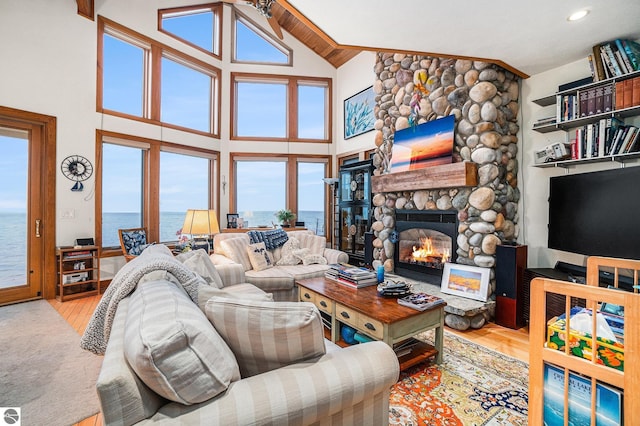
413 89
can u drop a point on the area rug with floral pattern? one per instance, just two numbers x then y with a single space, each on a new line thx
473 386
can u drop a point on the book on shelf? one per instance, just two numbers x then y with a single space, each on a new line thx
545 121
405 347
614 58
619 95
609 399
633 53
624 57
607 97
597 64
420 301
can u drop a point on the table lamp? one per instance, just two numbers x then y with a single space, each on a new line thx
200 224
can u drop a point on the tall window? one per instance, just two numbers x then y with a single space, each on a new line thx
186 96
143 79
312 111
257 198
265 184
281 108
254 45
123 70
149 183
253 97
178 172
197 26
122 190
311 201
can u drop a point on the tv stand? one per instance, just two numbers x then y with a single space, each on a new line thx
566 272
555 303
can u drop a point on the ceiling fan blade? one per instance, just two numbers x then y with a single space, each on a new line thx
275 26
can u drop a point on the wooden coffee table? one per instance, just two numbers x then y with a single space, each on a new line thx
380 318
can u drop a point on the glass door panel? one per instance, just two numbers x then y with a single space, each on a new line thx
14 161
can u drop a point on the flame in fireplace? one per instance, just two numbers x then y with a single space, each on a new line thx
427 251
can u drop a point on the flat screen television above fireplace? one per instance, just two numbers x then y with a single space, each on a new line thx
597 213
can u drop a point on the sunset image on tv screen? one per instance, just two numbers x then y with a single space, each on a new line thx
424 145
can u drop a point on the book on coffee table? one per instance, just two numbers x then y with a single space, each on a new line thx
420 301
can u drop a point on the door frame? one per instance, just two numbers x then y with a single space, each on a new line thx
46 211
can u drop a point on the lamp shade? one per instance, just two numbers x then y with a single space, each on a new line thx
200 222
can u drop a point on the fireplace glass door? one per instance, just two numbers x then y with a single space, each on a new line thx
424 247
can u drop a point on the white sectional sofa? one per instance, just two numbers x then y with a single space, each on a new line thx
181 351
278 279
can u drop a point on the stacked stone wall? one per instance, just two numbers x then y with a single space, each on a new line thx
484 99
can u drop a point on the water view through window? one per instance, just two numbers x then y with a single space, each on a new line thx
13 207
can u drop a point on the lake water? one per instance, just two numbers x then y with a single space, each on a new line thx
13 228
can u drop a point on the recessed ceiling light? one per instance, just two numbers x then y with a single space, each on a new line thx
578 15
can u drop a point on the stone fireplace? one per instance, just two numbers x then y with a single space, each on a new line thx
425 240
479 189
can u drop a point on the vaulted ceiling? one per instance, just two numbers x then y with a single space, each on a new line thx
524 37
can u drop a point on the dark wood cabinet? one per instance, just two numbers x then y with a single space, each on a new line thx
354 209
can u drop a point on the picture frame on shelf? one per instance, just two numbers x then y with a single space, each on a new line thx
358 113
232 220
467 281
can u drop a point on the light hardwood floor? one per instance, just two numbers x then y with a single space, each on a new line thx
514 343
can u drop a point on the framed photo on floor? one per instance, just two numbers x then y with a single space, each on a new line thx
466 281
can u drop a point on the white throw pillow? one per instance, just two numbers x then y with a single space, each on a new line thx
199 262
287 252
172 347
259 256
311 259
267 335
315 243
236 249
301 253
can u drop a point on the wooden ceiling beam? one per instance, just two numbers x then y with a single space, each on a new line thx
86 8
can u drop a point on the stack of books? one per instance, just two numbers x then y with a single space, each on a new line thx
421 301
351 276
614 58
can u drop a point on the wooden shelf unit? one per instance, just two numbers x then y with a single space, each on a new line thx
78 272
628 380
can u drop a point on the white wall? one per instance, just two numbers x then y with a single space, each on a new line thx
48 66
534 181
353 77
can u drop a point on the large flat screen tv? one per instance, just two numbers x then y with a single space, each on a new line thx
596 214
427 144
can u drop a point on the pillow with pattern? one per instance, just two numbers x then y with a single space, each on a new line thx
287 252
259 256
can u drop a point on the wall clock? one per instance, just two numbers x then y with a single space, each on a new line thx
76 168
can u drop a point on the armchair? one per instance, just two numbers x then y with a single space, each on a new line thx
132 242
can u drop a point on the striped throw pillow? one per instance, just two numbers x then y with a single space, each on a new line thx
172 347
267 335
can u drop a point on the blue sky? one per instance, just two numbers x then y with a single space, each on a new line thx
178 193
13 174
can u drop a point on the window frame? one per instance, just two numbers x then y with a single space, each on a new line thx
292 83
249 23
291 178
154 52
215 8
151 180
